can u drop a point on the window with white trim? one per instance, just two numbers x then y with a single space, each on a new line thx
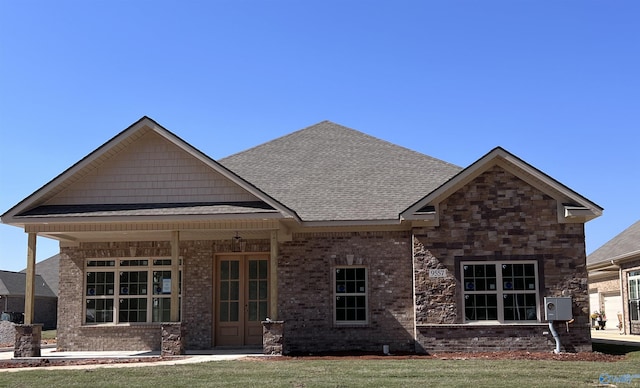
128 290
502 291
634 295
350 295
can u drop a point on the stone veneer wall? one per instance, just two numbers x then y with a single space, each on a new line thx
306 296
497 216
196 303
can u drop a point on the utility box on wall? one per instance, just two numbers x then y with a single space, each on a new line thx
557 309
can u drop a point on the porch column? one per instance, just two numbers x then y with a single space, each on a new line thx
28 335
29 293
175 275
273 274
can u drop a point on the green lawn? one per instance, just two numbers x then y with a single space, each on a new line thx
340 373
49 334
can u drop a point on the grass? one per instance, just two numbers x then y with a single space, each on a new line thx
49 334
339 373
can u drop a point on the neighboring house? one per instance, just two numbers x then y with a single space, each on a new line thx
614 280
49 270
351 241
12 290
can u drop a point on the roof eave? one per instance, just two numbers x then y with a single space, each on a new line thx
615 261
24 221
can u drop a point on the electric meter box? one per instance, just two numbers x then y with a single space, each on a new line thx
557 309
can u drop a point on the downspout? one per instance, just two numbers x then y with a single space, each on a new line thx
555 337
623 295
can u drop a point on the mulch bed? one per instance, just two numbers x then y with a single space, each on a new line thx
41 362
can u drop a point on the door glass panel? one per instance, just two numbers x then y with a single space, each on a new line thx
224 270
263 289
224 311
263 310
233 311
235 270
229 291
258 290
263 269
253 311
234 290
253 290
253 269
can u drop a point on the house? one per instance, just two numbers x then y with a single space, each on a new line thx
49 269
614 281
12 292
346 241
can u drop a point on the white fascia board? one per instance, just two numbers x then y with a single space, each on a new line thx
321 224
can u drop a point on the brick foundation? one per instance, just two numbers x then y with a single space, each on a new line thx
493 338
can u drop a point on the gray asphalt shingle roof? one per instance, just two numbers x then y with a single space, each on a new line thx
13 284
328 172
48 269
626 242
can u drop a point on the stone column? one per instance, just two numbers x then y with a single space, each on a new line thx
273 337
173 339
28 339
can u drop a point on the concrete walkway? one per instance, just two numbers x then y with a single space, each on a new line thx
613 336
192 356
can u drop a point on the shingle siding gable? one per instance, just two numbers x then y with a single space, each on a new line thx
151 170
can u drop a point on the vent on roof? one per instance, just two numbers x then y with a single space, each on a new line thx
427 209
572 210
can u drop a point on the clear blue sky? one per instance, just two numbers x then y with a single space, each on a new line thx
555 82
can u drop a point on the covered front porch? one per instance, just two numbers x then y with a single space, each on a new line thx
119 294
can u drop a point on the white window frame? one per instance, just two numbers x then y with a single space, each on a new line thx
337 295
118 293
499 291
633 283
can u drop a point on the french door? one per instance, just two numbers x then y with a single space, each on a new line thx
242 299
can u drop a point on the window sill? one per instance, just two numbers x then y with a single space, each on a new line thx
128 324
350 325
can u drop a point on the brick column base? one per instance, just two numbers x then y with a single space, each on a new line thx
272 337
28 339
173 339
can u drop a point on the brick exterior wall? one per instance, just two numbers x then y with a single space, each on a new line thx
497 216
306 296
